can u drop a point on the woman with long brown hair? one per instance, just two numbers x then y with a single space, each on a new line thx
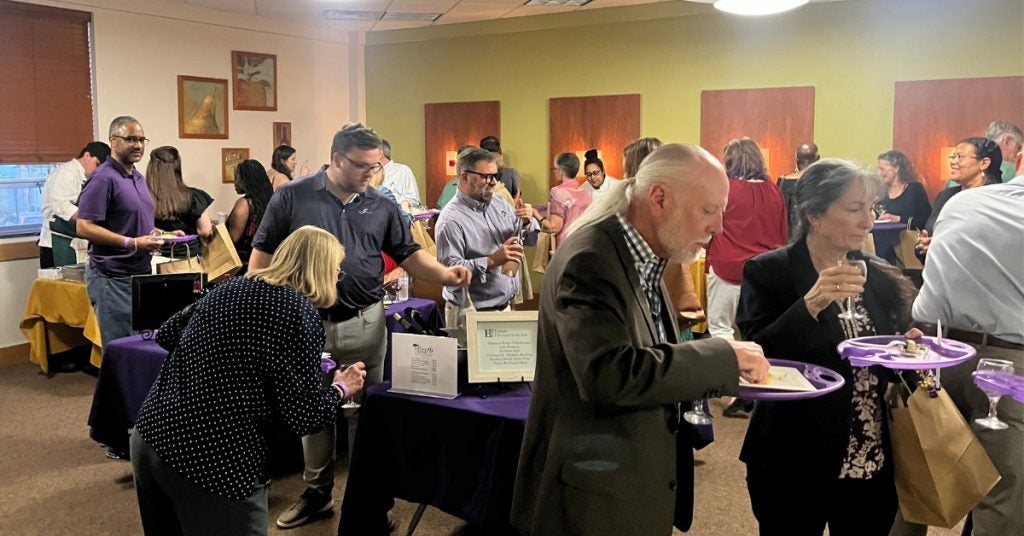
179 207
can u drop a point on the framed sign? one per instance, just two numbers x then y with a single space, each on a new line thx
282 134
501 346
230 157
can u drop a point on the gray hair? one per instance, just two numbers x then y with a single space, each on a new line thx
121 121
823 183
998 129
354 135
568 164
469 157
386 148
668 165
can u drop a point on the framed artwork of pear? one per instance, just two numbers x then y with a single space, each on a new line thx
202 107
254 81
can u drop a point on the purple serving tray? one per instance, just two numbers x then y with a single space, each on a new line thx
823 379
178 239
947 354
426 215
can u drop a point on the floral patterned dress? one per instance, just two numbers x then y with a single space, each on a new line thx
864 453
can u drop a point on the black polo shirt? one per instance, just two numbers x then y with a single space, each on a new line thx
367 225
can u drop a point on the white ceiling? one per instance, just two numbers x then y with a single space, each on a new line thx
453 11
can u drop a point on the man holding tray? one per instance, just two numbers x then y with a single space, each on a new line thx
603 452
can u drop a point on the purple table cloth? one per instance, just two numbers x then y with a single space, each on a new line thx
886 236
457 455
131 365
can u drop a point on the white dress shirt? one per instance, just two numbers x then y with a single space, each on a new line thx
607 186
399 179
974 275
60 193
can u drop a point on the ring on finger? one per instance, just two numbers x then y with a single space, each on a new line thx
837 287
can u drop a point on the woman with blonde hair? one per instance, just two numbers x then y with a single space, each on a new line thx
179 207
244 355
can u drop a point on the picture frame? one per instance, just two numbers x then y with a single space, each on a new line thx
282 134
202 108
230 157
254 81
501 346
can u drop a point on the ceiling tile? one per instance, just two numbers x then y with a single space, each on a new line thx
238 6
421 6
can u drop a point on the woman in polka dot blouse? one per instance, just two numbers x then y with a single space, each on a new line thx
245 353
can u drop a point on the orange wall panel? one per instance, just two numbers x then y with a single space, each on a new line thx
450 125
930 116
607 123
778 119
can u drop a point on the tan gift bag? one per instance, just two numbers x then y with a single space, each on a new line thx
905 248
545 249
220 259
188 264
942 471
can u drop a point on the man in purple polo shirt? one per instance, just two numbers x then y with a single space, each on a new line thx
115 214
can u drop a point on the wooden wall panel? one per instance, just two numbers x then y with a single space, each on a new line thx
929 116
607 123
778 119
450 125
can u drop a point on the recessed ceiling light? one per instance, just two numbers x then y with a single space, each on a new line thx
411 17
757 7
557 2
349 15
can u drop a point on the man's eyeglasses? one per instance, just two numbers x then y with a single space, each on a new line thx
364 167
594 174
495 177
132 140
956 157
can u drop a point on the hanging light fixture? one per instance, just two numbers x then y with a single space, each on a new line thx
757 7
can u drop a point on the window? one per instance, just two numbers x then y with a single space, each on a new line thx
46 91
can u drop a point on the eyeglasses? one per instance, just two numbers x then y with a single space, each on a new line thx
132 140
593 174
486 176
956 157
364 167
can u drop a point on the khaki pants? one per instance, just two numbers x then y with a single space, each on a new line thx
362 338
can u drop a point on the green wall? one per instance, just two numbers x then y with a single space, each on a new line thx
851 51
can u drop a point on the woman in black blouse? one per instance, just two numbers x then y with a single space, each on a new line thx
247 352
252 183
827 460
905 199
179 207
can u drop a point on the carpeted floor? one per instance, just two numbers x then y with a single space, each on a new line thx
57 481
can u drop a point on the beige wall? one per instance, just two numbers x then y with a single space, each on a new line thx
140 48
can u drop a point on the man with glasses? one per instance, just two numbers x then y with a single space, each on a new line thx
60 198
116 216
481 232
340 200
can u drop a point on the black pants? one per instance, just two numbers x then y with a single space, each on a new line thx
172 505
850 507
45 257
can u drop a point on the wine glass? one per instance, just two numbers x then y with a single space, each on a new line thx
850 313
697 415
994 372
350 402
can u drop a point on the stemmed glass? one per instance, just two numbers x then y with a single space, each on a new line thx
697 415
994 372
850 313
327 365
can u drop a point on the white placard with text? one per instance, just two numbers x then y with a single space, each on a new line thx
424 365
501 346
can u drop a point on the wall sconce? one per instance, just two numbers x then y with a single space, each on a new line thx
450 159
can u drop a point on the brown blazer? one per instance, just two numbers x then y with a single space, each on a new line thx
599 454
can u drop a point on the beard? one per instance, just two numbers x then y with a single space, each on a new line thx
679 250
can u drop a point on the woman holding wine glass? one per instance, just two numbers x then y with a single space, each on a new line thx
246 353
830 454
905 200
